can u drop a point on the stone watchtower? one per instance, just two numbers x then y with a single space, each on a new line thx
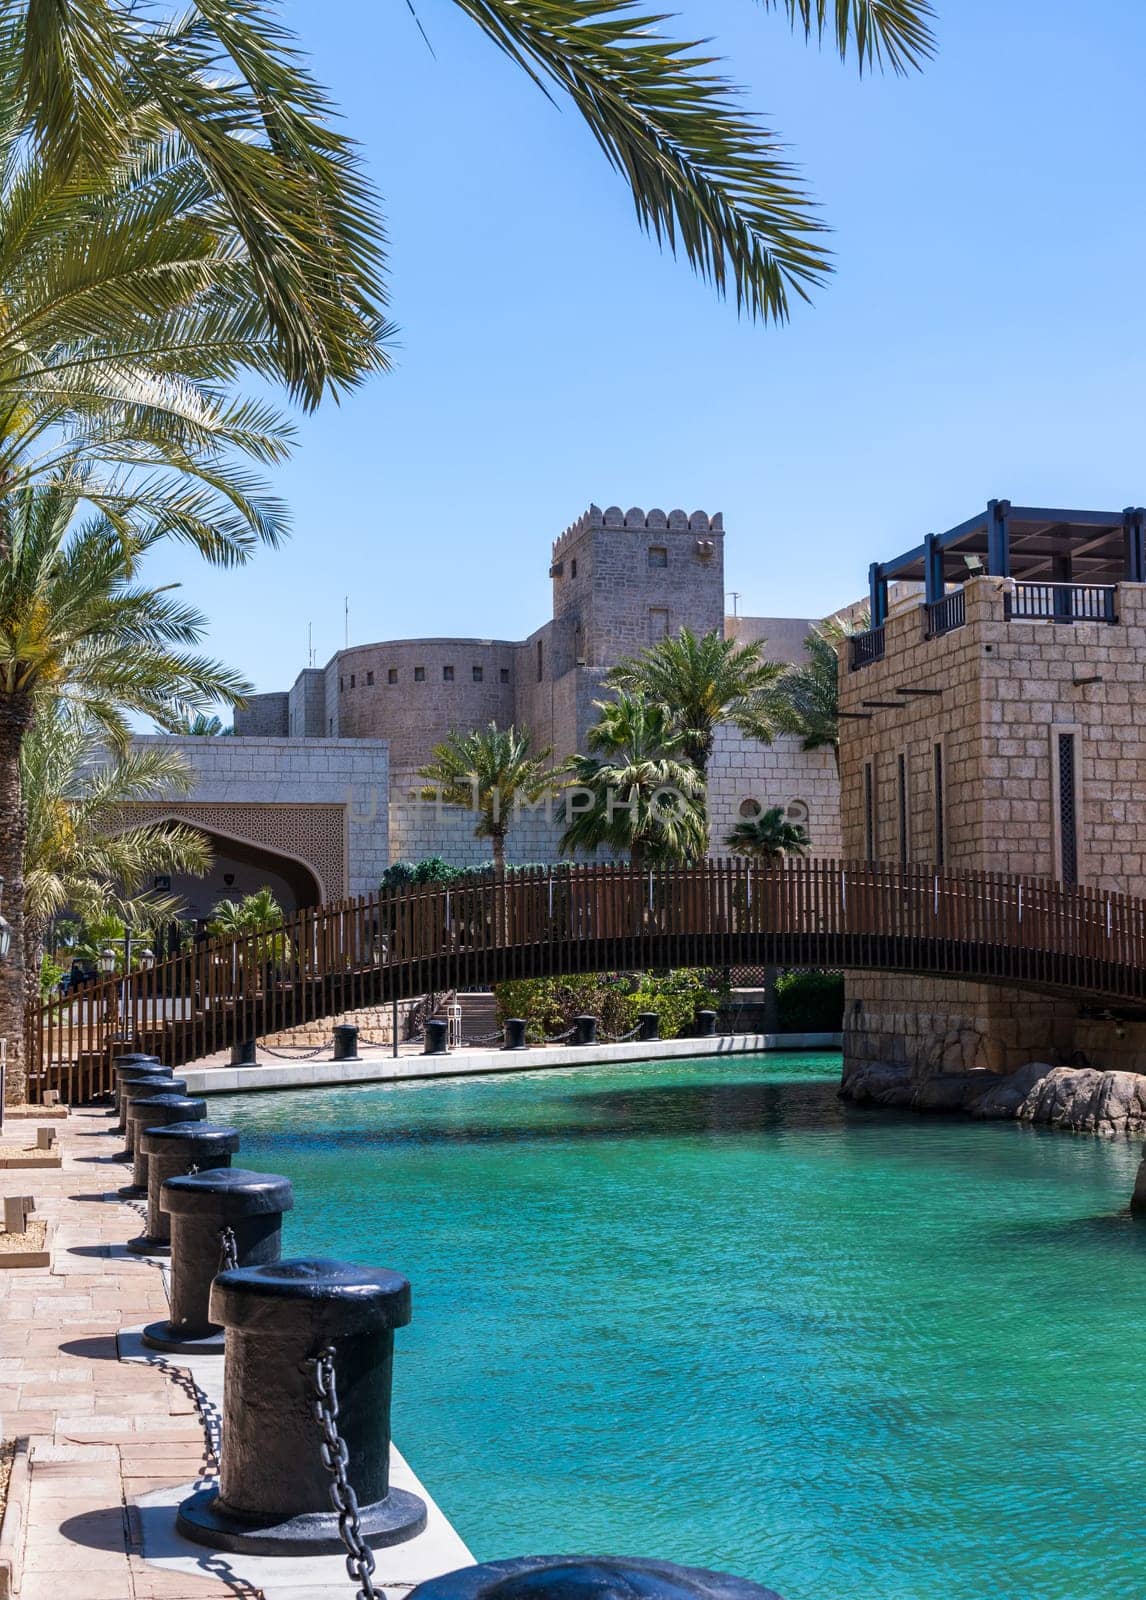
621 581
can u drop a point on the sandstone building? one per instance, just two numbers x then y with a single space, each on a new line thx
990 722
318 791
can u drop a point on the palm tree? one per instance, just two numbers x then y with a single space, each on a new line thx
129 316
201 726
703 681
635 791
807 701
492 770
225 84
221 93
78 628
79 853
768 837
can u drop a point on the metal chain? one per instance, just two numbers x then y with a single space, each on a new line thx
556 1038
298 1055
621 1038
335 1458
228 1250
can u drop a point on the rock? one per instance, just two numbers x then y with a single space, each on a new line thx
879 1083
1076 1099
949 1091
1086 1100
1005 1095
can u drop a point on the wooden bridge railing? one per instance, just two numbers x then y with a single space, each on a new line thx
1025 932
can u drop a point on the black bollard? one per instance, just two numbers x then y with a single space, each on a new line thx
514 1033
243 1053
588 1578
648 1025
345 1042
584 1030
273 1496
140 1069
181 1147
161 1110
135 1092
202 1206
705 1024
436 1034
134 1059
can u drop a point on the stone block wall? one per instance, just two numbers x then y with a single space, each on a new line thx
997 696
414 692
776 774
374 1023
306 717
265 716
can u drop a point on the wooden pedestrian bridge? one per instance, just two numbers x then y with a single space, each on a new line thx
1028 933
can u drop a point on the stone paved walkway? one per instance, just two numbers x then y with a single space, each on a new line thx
103 1432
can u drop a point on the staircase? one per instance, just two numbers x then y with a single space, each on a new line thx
479 1016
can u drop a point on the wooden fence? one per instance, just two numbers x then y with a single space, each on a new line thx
1025 932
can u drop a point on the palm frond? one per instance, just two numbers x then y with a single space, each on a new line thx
706 177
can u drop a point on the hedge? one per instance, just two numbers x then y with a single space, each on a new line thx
810 1002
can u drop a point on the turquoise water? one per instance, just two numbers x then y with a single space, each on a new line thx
705 1312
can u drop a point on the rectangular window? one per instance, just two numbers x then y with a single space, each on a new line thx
868 811
341 686
658 555
939 802
447 674
352 680
505 674
419 674
573 568
901 806
370 680
658 623
332 727
392 675
478 674
1067 810
540 659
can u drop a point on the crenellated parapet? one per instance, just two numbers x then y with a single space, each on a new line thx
637 521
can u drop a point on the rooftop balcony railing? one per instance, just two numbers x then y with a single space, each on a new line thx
1060 602
942 616
864 648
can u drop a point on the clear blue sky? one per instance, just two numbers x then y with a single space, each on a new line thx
983 334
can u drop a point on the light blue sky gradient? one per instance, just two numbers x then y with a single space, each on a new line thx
983 334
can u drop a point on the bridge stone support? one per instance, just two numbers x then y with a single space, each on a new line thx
935 1025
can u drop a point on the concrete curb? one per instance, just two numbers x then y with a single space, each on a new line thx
463 1063
12 1528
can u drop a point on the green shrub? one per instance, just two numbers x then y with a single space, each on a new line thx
810 1002
50 974
434 869
548 1005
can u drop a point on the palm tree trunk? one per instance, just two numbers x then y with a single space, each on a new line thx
15 720
35 928
500 890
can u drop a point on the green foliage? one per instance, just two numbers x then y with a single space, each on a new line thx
489 771
810 1002
644 796
50 975
432 869
254 914
807 700
701 681
549 1005
768 837
706 177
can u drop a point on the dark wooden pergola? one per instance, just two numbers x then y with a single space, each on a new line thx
1029 543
